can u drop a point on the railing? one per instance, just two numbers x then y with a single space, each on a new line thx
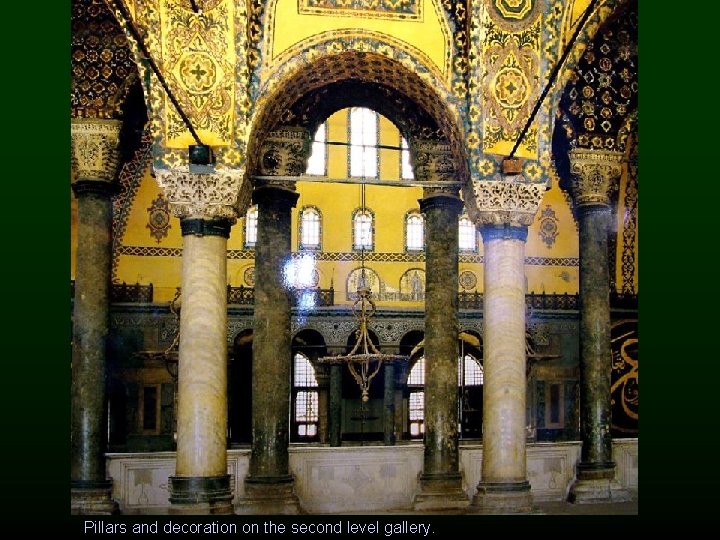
122 292
300 297
474 300
240 295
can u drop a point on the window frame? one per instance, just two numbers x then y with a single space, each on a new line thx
355 214
246 242
408 215
301 229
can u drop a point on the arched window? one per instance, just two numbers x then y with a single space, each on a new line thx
416 399
363 142
317 162
414 231
467 235
305 399
363 230
406 170
251 219
310 228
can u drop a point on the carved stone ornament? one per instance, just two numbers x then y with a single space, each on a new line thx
433 161
95 144
285 152
594 173
221 194
507 202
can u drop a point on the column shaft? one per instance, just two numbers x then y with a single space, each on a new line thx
441 334
595 356
504 362
90 331
202 376
201 483
503 487
271 334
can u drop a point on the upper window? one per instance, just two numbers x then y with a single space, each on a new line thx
363 230
310 228
406 170
467 235
363 142
414 231
317 162
251 219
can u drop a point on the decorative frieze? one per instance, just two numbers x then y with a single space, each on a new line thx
505 202
222 194
594 173
95 148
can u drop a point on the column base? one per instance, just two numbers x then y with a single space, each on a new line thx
502 498
196 495
269 495
441 492
595 483
92 498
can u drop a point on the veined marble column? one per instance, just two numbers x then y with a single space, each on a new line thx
269 485
441 481
595 172
94 160
504 486
206 206
504 210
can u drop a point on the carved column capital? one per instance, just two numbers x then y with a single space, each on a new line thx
505 202
285 152
222 194
95 148
433 161
594 172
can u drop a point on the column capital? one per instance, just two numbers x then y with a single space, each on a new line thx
222 194
95 148
285 152
594 172
505 202
433 161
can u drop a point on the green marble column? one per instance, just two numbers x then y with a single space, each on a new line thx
595 172
269 485
389 405
201 484
441 482
335 404
94 162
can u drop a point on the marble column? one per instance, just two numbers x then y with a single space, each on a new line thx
206 204
201 483
440 481
94 160
504 486
335 405
504 209
595 172
269 485
389 405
